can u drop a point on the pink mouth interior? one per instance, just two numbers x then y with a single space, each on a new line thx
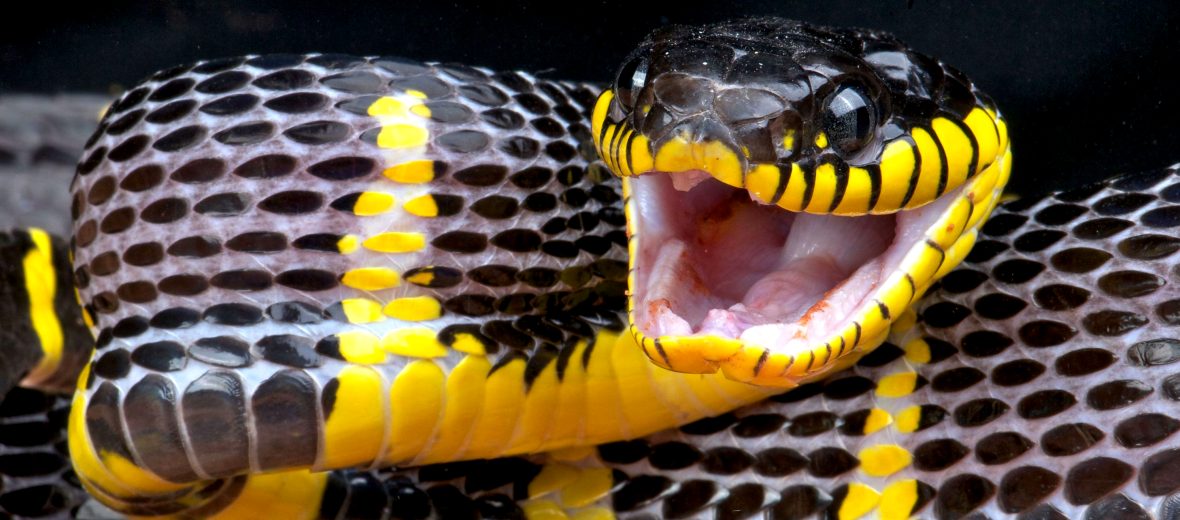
711 261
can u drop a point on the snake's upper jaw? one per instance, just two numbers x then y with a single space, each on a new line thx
721 281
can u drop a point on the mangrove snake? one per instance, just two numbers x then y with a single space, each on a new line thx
326 262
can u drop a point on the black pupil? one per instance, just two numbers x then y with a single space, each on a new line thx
630 81
849 119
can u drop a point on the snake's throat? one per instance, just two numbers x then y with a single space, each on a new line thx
712 262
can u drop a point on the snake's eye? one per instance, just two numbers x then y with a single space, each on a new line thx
630 81
849 119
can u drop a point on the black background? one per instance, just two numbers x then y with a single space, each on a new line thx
1087 86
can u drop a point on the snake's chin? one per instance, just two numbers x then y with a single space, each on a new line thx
711 261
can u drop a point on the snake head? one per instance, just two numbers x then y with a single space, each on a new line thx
791 190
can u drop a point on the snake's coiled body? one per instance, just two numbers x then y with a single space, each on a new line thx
323 262
405 264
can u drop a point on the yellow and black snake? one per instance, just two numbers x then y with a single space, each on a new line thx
349 287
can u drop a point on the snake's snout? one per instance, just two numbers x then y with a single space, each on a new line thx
756 124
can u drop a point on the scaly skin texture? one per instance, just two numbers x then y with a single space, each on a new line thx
1039 379
325 262
871 441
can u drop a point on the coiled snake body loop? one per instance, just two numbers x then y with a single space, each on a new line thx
298 264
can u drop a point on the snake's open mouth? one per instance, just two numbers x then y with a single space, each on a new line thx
711 261
719 270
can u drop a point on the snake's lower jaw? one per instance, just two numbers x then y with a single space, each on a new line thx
720 281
